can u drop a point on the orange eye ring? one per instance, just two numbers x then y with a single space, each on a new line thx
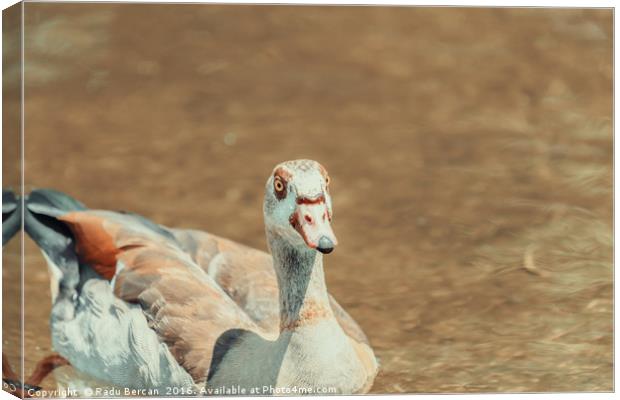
278 185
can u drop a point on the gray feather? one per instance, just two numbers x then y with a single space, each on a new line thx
11 215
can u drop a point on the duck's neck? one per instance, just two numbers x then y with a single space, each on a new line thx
301 281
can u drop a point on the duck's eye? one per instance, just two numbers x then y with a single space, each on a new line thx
327 180
280 187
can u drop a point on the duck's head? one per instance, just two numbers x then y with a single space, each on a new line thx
298 207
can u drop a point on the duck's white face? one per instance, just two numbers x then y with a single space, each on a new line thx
298 207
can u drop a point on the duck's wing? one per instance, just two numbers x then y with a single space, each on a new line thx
248 277
146 266
11 215
245 274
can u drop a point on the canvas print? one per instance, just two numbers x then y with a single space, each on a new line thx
205 199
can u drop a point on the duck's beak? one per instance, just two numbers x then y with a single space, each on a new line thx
311 219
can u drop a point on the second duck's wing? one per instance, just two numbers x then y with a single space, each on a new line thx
146 266
11 215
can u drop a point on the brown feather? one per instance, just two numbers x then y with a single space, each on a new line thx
187 309
95 245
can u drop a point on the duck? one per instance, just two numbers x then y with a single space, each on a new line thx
142 306
11 224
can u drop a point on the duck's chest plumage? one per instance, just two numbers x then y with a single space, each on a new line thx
316 358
